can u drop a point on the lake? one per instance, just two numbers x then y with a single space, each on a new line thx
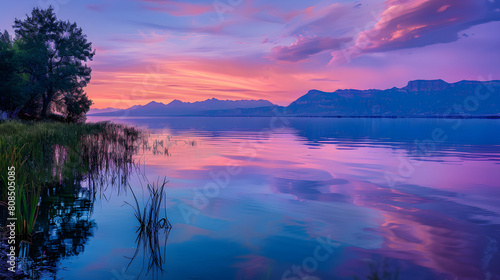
296 198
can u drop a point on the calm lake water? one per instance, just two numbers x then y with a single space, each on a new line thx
296 198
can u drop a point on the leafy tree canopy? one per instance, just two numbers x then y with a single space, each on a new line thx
47 66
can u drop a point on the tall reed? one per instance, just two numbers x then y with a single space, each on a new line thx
50 155
151 223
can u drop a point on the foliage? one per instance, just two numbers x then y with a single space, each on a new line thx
43 69
48 155
11 83
77 104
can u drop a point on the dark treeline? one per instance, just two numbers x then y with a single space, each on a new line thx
43 70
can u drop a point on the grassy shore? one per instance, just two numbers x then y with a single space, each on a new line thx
51 155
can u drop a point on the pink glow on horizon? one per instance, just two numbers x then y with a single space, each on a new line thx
278 50
194 80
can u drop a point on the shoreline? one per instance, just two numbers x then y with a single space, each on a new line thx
4 272
491 117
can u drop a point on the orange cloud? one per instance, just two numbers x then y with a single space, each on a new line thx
194 79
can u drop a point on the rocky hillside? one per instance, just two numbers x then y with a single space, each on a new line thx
421 98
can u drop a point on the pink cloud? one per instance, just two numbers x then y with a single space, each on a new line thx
410 24
94 7
178 9
122 83
141 38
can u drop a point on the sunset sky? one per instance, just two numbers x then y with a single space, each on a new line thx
276 50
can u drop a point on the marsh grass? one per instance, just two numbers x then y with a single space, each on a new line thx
381 270
50 156
151 224
163 144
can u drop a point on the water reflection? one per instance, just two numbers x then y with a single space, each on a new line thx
63 228
328 177
407 134
151 250
63 178
315 179
152 230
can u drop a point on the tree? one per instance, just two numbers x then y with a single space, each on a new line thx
12 97
53 53
74 105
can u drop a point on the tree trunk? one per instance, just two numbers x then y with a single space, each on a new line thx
46 102
45 106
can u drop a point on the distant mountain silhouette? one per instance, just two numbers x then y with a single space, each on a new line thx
179 108
420 98
100 111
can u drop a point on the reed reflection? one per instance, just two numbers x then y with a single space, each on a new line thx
60 174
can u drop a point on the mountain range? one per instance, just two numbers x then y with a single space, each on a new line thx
179 108
420 98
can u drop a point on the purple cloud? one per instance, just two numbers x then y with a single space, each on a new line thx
307 46
411 24
95 8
